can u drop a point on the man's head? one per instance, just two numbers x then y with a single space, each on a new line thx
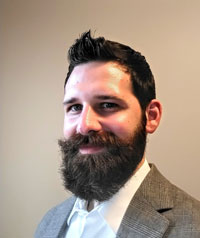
88 49
109 106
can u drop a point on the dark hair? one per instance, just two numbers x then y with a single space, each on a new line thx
88 49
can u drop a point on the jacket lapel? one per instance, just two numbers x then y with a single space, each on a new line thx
144 217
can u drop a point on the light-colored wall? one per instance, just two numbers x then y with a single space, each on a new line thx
35 36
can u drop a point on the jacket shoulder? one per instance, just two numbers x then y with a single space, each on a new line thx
185 213
54 220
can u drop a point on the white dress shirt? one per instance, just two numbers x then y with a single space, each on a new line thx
105 217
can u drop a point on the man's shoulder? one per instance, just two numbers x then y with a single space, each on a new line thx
181 209
63 206
184 217
54 220
186 209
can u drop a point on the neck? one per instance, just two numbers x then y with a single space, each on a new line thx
139 165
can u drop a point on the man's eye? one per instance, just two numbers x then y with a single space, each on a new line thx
109 106
75 108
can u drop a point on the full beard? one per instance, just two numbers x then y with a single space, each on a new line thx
99 176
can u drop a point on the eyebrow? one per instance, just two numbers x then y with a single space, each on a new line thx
106 97
69 101
100 97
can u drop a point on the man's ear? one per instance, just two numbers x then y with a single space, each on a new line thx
153 115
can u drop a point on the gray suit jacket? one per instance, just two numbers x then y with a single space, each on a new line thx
158 209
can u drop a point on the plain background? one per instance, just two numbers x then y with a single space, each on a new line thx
35 36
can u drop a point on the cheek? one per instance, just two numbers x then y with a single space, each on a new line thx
68 129
122 126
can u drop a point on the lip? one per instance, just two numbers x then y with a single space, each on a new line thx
90 149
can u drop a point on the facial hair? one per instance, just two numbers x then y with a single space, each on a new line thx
99 176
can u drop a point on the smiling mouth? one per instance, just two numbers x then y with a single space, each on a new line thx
90 149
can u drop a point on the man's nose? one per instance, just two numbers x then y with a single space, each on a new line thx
89 121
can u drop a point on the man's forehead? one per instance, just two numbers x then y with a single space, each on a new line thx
98 73
112 68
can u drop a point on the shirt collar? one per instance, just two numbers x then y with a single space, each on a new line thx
81 205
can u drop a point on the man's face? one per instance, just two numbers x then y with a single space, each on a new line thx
104 131
98 97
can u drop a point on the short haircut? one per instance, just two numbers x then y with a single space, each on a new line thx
88 49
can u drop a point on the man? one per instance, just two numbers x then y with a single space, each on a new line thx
110 107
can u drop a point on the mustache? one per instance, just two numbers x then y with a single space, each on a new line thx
106 139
